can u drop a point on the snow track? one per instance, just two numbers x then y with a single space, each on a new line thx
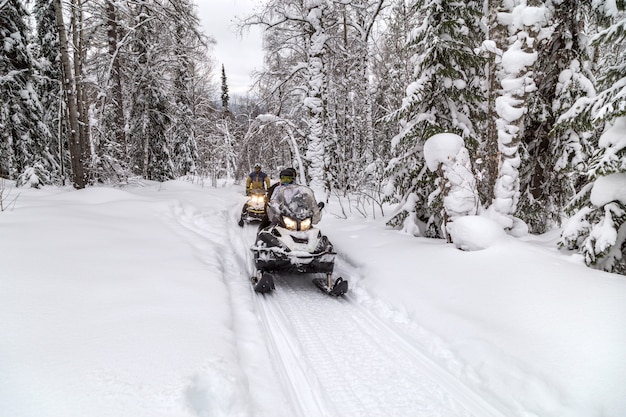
353 363
333 356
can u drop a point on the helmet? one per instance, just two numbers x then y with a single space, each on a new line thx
293 171
257 165
286 176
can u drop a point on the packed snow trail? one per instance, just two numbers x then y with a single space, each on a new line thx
332 356
336 358
352 363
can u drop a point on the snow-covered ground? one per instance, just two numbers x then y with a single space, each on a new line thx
136 302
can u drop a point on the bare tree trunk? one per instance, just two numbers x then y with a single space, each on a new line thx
79 174
116 77
491 155
80 53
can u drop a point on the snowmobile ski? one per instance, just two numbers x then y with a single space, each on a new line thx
263 283
340 287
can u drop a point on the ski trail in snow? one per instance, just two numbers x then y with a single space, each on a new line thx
333 356
289 358
343 360
357 369
236 267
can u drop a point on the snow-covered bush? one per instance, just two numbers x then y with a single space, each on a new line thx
446 154
33 177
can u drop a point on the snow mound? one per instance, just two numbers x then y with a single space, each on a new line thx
473 233
441 148
217 393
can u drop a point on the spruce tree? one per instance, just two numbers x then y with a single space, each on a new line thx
554 158
445 96
49 85
597 227
225 97
24 137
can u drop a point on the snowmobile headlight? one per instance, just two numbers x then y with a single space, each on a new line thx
257 199
290 223
305 224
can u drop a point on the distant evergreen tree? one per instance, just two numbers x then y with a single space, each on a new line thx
24 137
225 96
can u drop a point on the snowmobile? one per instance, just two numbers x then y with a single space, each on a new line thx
254 209
291 243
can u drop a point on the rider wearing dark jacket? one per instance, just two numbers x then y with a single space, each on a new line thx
287 176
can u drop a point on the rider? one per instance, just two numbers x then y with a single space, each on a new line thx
257 179
287 176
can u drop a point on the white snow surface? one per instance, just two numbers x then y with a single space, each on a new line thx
136 302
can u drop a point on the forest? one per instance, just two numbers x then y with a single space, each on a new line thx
532 93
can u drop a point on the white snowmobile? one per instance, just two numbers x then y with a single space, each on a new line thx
292 244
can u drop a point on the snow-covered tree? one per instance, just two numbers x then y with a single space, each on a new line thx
445 96
108 63
189 46
456 192
49 85
515 57
597 227
318 73
74 94
554 157
283 84
24 136
350 93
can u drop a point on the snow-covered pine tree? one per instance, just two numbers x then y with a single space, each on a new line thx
187 45
445 154
149 105
24 137
554 161
108 64
49 85
445 96
597 227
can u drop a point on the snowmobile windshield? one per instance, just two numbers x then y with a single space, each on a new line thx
257 191
296 201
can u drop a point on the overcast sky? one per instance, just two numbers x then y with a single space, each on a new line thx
240 54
